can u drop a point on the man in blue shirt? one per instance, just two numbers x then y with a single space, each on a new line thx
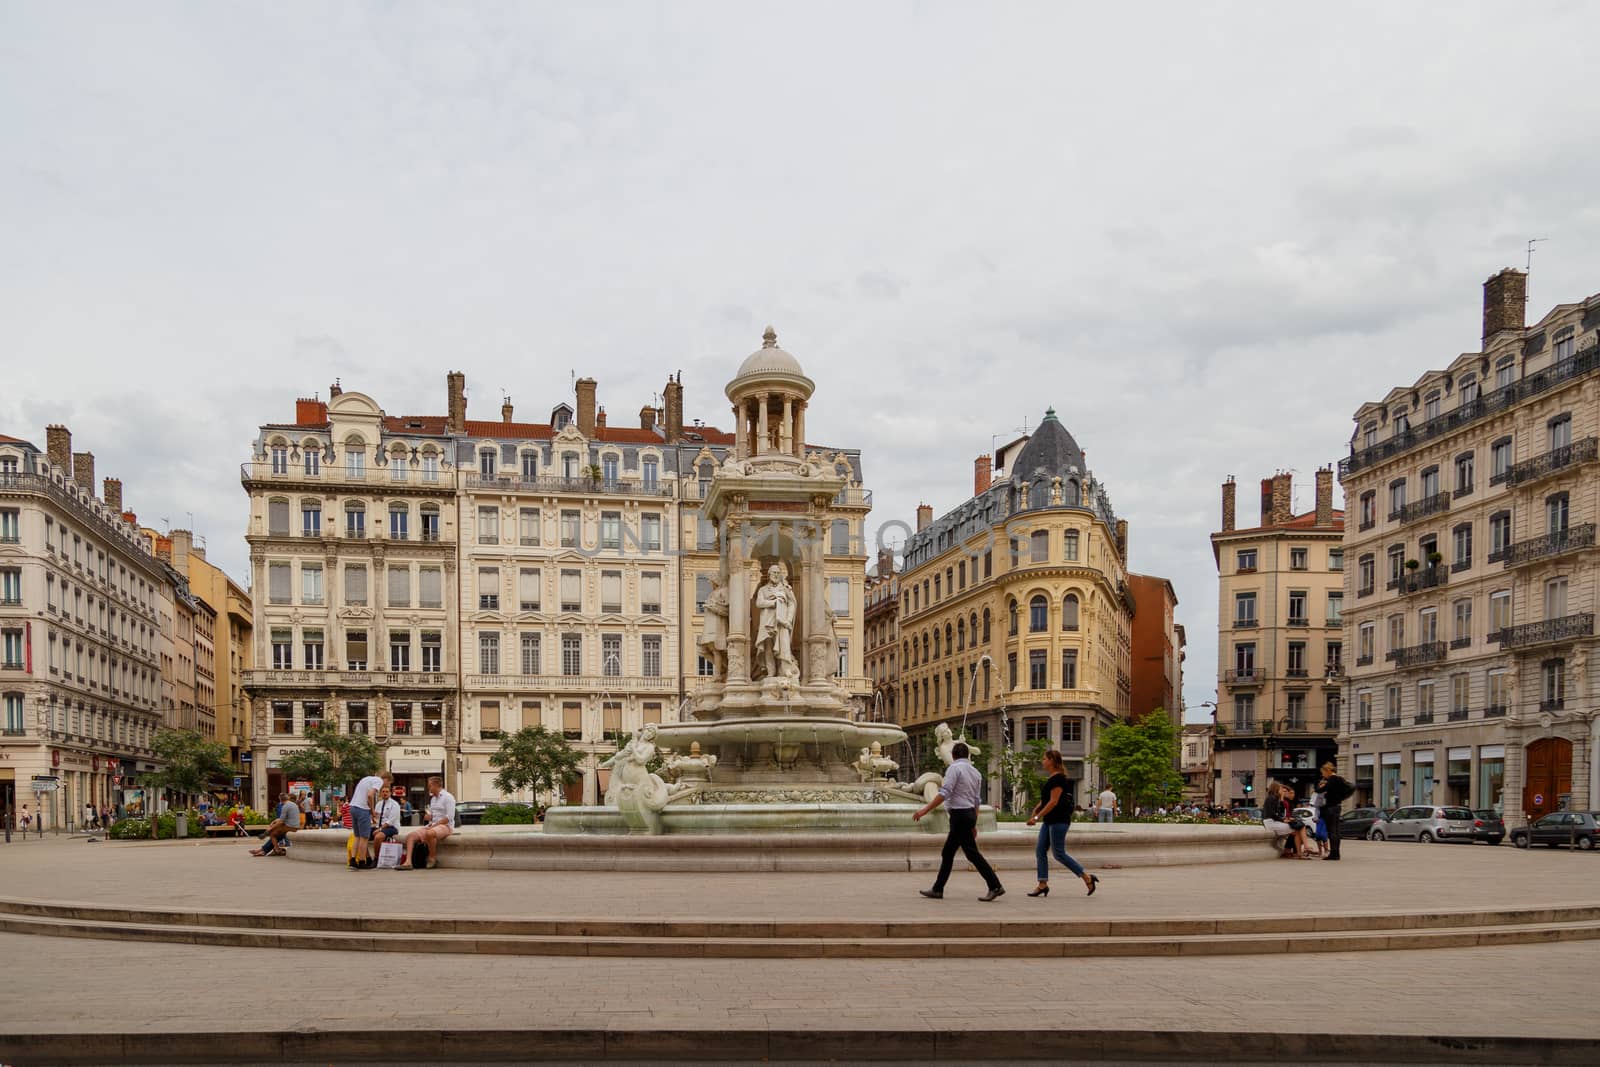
959 794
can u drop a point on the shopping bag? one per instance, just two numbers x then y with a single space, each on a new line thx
389 855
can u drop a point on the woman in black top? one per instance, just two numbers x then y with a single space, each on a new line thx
1054 816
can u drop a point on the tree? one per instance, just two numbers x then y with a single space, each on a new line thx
190 762
334 759
1021 769
537 759
1140 759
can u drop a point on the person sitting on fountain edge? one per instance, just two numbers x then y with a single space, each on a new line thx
960 795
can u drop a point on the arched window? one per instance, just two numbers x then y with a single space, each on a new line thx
355 457
1011 615
949 638
1072 545
1039 494
1069 612
936 644
397 463
961 635
905 654
355 519
1069 494
1038 614
925 646
986 626
312 455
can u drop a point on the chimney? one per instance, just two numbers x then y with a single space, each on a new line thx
885 562
456 386
310 412
113 494
1230 493
131 519
505 410
586 388
83 471
1282 510
1266 501
600 419
924 516
58 445
647 418
673 399
982 468
1324 496
163 548
1505 300
182 545
1122 540
335 389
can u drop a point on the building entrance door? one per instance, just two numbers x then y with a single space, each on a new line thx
1549 764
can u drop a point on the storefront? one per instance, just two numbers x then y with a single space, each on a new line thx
1366 768
411 767
1458 776
1492 777
1422 776
1389 780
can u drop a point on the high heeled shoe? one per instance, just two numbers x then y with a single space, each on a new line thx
1094 883
1041 891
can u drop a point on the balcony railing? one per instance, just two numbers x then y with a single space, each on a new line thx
1553 704
340 474
1422 718
1417 655
1458 715
1421 509
1423 578
1576 366
1553 462
1494 711
260 678
510 483
568 683
1551 544
1302 724
1546 631
1243 676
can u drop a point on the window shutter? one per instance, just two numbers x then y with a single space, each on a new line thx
611 590
428 587
571 589
528 588
650 593
278 582
399 587
489 716
355 585
278 518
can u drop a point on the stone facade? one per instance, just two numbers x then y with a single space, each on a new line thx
1280 646
1472 585
1157 658
881 624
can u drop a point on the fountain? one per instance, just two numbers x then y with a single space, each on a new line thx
770 741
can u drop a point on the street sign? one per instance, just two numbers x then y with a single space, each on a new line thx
45 786
1538 798
237 782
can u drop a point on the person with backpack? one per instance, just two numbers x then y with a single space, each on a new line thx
1054 815
1334 791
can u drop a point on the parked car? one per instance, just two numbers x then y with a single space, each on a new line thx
1358 822
1580 829
1487 825
1426 823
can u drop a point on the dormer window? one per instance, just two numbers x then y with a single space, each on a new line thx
1402 424
1369 435
1469 389
560 417
1430 406
1505 370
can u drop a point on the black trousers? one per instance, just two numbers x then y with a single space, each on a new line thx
1330 822
963 837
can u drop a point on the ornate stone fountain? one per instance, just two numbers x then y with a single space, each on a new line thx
769 742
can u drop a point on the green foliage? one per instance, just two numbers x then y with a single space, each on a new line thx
334 759
166 827
190 762
1021 769
1140 760
536 759
508 815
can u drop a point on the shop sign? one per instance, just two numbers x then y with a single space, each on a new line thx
421 753
1424 744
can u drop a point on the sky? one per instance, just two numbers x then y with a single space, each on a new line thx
1203 233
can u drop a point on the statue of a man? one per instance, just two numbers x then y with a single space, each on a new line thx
713 640
775 604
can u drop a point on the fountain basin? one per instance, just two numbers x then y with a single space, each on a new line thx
778 817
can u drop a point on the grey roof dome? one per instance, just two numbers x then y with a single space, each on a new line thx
770 359
1050 449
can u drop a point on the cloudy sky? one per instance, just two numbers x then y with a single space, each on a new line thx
1204 233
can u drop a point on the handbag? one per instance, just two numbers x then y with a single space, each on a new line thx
390 854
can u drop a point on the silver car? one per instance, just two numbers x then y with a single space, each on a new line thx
1426 823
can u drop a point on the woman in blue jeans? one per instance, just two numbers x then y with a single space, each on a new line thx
1054 816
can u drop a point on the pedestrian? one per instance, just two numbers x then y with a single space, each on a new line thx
441 824
105 816
367 792
1105 805
1319 828
1334 791
27 824
959 794
288 821
88 817
1053 813
385 826
1277 817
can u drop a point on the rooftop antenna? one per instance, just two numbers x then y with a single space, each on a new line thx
1527 292
191 520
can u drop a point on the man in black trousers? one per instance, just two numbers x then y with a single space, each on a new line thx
959 794
1335 790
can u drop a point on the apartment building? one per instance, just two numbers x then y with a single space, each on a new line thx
1280 642
225 652
1156 665
881 628
1473 590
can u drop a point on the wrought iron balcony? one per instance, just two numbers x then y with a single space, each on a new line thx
1492 711
1553 704
1457 715
1361 724
1417 655
1421 509
510 483
1553 462
1423 578
1422 718
1551 544
1303 724
1547 631
1244 676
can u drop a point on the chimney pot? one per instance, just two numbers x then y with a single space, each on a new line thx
505 410
1505 302
924 516
600 418
673 402
335 389
586 393
1230 492
982 473
1266 501
1122 540
310 412
1282 499
647 418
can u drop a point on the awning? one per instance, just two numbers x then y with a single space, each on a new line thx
416 766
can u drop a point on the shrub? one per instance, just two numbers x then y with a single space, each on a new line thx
508 814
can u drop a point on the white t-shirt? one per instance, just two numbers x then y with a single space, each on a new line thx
387 813
442 808
370 784
1108 801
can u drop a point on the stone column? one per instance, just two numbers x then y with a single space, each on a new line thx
786 431
738 432
816 621
739 594
761 423
800 431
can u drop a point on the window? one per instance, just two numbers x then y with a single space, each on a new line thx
1369 509
1430 483
1397 632
1247 559
1036 729
399 523
355 650
528 526
1364 709
1038 615
1069 668
839 596
702 590
571 590
282 717
571 655
1555 514
1333 654
401 718
1298 614
488 459
1498 695
1391 706
1299 559
310 519
1499 535
611 592
1244 660
1244 609
1564 346
432 720
1397 497
1464 468
1428 626
988 562
488 588
1499 612
986 626
1553 685
1499 460
1424 712
489 526
1369 435
1038 672
1072 545
1366 638
650 655
488 653
839 537
611 530
311 645
400 650
277 518
280 459
608 468
1430 405
432 651
430 522
530 466
650 593
1555 598
1504 371
529 581
572 721
430 467
1244 711
1040 546
1366 575
282 650
1335 614
355 520
360 723
652 473
1469 389
530 653
278 579
1297 659
650 532
430 587
1397 564
571 529
488 719
1461 623
1461 541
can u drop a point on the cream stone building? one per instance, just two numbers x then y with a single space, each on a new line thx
881 625
1280 642
1472 591
1015 614
221 663
80 635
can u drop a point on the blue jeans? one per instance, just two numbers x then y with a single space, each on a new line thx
1053 838
1107 815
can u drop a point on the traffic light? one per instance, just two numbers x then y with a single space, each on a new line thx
1249 782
